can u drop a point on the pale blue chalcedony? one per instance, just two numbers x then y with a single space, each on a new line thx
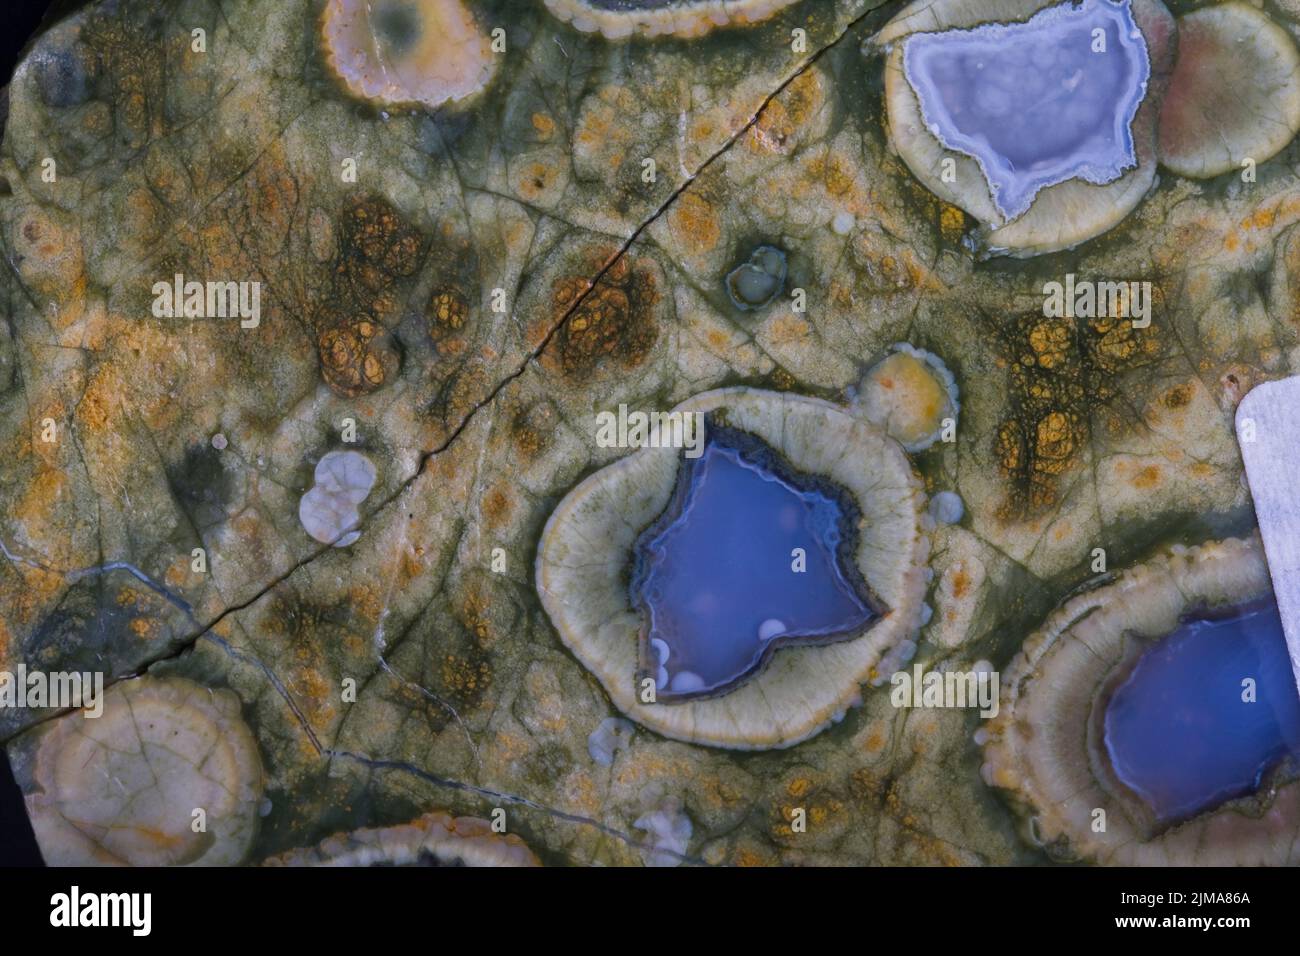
1185 733
1035 103
717 576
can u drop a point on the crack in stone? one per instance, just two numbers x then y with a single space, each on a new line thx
108 566
425 457
188 643
536 352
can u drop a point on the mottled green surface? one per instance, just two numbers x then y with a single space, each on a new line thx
226 164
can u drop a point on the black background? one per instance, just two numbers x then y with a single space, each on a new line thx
21 20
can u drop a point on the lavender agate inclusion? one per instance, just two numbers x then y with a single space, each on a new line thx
1031 102
714 575
1177 730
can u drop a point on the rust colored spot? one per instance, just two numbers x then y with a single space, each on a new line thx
694 222
783 116
952 222
544 125
447 308
1147 477
535 180
960 584
355 358
782 380
1059 372
468 679
1180 396
496 507
614 323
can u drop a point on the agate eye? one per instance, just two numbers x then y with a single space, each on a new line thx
407 52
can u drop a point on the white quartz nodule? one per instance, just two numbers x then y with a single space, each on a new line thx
328 511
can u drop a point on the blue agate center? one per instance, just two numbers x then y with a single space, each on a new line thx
1039 102
1178 731
748 556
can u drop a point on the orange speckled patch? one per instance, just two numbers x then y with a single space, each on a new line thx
535 179
544 125
747 857
496 507
960 583
790 329
1147 477
35 509
694 222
